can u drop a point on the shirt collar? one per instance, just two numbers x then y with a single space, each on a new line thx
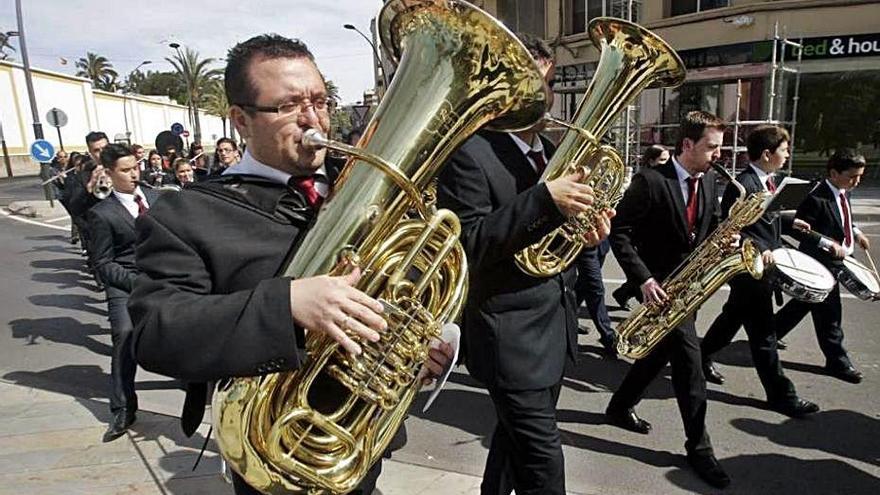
524 146
680 171
130 197
251 166
762 175
835 190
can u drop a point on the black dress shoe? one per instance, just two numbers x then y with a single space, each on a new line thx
846 373
781 345
621 297
797 409
709 469
628 420
712 374
119 425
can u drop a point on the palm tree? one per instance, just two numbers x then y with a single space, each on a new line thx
216 104
196 76
332 92
98 69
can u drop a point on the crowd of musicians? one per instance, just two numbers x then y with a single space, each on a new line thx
193 289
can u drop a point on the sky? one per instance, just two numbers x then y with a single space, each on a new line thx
128 32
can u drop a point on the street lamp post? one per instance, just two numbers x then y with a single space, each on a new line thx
377 62
125 101
189 109
38 128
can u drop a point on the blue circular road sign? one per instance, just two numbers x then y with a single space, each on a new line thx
177 128
42 151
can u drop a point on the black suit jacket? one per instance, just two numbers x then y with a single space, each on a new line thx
113 243
767 231
649 234
517 329
819 209
209 303
76 197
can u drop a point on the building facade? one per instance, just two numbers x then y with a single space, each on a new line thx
728 49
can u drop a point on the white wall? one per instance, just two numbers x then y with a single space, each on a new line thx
87 110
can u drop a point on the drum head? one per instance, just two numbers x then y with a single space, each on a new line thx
863 275
803 269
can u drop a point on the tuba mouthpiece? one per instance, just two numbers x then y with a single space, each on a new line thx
313 138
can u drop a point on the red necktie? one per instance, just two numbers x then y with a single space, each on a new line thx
538 158
771 186
847 228
142 208
691 211
307 186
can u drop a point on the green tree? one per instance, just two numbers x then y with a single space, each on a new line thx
159 83
4 45
332 92
196 75
98 69
215 103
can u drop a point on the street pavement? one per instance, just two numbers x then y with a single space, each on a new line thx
54 370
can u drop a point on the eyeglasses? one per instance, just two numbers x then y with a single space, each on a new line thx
290 108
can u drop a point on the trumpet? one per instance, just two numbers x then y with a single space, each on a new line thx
163 187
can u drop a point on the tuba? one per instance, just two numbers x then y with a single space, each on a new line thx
458 70
632 59
709 266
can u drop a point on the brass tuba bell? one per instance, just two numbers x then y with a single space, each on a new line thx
631 60
458 70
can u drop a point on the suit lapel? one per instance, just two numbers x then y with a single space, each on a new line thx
831 206
674 190
123 212
513 159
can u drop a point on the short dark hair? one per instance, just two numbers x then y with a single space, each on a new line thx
652 153
178 162
765 137
111 154
237 83
536 46
227 140
694 123
95 136
844 159
136 147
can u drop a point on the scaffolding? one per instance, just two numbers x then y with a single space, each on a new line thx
780 70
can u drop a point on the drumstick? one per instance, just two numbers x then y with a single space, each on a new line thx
873 266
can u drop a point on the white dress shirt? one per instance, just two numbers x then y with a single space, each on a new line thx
251 166
128 201
683 176
526 149
825 244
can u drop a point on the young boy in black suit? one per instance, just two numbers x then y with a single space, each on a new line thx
833 237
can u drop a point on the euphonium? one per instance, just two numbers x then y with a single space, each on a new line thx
715 261
458 70
632 59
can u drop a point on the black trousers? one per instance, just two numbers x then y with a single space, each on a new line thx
526 450
589 288
827 318
123 364
751 305
681 348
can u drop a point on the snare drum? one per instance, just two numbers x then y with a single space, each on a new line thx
858 279
800 276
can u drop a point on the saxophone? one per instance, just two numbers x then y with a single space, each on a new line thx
458 70
632 59
715 261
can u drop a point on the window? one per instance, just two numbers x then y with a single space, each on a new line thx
579 12
681 7
523 16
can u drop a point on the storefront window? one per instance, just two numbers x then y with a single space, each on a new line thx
836 110
681 7
580 12
523 16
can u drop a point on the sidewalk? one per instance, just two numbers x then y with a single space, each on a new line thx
50 443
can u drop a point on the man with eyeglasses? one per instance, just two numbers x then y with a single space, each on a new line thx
224 156
209 304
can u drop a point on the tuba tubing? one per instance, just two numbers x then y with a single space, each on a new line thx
631 60
458 69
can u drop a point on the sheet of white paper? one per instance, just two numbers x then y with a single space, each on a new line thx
451 334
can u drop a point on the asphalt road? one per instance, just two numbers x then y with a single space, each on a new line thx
56 337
